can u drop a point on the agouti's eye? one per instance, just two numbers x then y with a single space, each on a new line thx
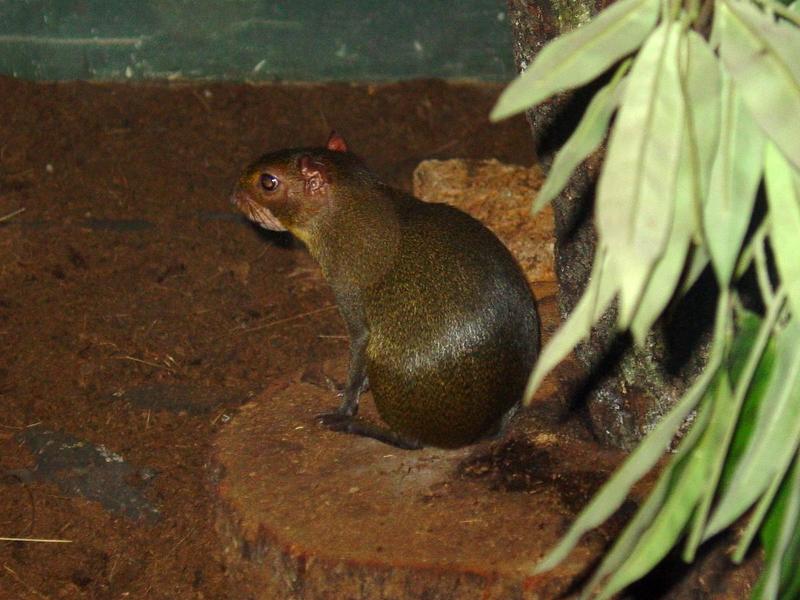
269 182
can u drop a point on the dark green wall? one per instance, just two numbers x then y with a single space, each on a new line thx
255 39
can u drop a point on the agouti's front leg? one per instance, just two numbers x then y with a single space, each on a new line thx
356 377
351 311
356 383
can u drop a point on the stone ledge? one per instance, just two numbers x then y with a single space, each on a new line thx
500 196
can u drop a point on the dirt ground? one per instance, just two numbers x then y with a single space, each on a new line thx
138 311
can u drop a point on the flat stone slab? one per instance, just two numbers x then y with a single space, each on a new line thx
309 513
82 469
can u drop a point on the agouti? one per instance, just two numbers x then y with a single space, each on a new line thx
442 323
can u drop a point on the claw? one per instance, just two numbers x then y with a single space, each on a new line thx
335 421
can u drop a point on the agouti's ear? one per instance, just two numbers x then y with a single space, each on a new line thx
336 143
314 173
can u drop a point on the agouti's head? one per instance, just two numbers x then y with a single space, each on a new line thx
290 189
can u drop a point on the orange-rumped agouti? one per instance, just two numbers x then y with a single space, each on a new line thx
442 323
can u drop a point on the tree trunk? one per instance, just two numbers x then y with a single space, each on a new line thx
628 388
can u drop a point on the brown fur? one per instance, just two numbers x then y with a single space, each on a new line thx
441 319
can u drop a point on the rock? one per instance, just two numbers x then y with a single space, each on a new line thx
85 470
500 196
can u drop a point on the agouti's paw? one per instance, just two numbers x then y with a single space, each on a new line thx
335 421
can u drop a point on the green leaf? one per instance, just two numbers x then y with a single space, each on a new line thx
667 272
790 574
727 408
756 518
625 542
746 371
619 567
761 55
701 84
585 140
595 300
781 537
613 493
734 183
783 196
749 324
579 56
701 77
775 438
636 187
686 475
784 8
747 329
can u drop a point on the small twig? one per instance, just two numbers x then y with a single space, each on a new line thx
117 131
32 501
12 214
27 586
74 41
202 100
326 126
19 175
144 362
37 540
113 568
65 527
285 320
180 541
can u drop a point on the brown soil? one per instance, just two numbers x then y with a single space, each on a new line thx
137 311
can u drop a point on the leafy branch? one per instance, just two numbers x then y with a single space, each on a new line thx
698 123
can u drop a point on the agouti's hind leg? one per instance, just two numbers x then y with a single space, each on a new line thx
348 424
